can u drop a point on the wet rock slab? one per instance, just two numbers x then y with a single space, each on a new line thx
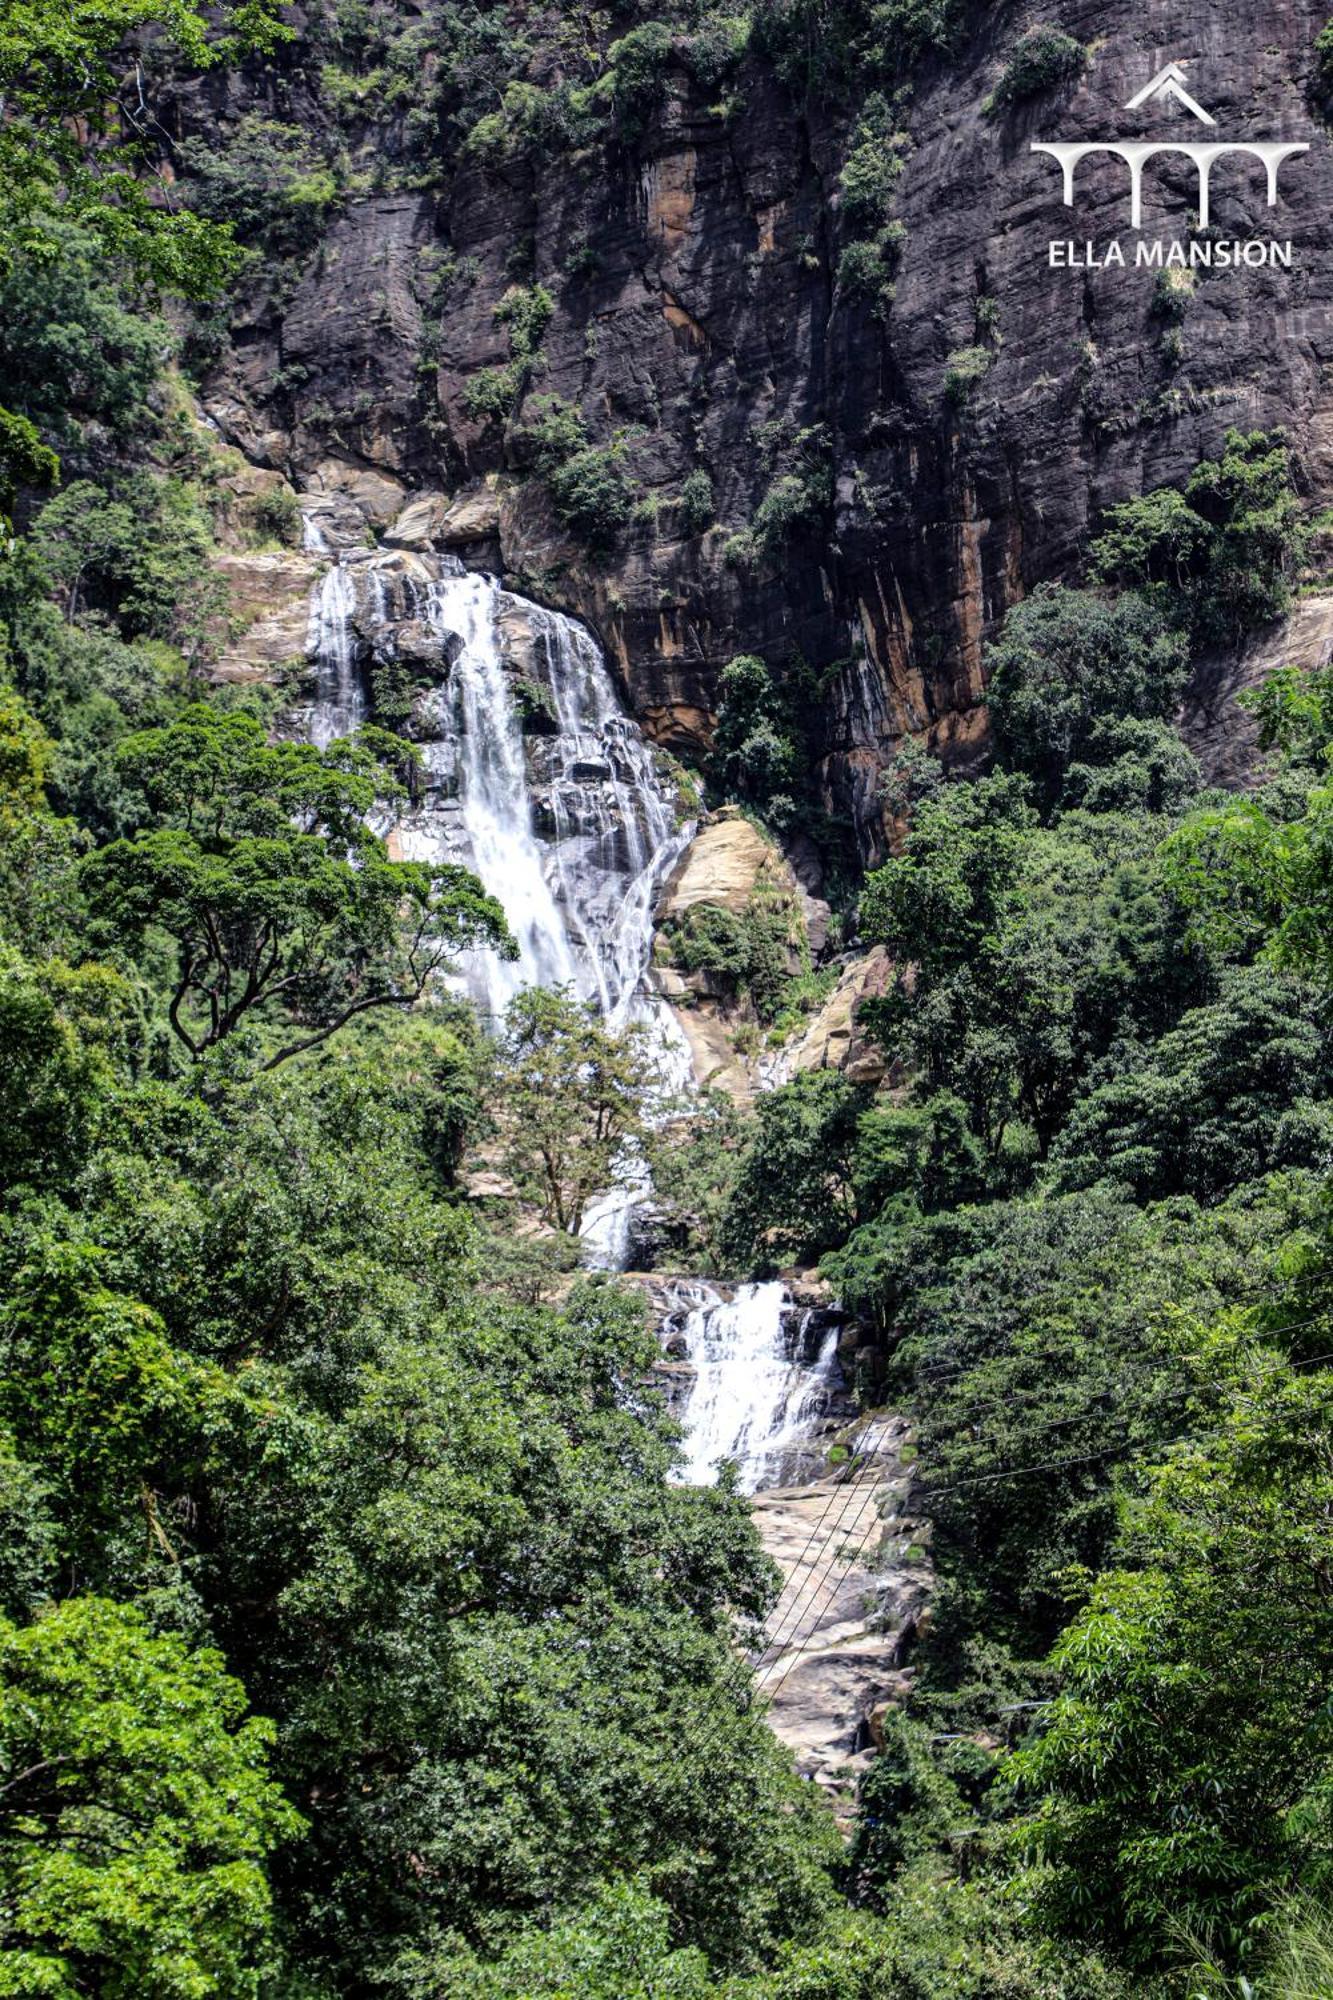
840 1636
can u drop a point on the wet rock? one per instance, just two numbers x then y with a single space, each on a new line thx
841 1636
420 646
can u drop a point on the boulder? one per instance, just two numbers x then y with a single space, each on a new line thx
376 497
418 526
471 516
713 1057
724 863
421 646
851 1605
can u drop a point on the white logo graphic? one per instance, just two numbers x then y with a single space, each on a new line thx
1170 82
1169 87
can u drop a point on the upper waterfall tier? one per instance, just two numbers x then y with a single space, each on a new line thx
533 775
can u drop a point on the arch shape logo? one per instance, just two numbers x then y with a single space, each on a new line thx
1169 86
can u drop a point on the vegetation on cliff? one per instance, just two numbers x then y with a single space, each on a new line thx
353 1635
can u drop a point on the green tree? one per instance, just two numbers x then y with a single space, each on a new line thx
267 183
79 140
259 865
794 1192
1069 665
1182 1777
1239 1087
755 752
72 352
79 145
138 553
61 1028
136 1814
571 1095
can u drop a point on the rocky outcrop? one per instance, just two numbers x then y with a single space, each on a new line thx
726 862
965 433
1222 736
835 1038
840 1639
268 619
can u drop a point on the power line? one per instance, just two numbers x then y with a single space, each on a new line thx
855 1491
929 1372
788 1635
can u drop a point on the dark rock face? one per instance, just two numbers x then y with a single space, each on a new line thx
697 306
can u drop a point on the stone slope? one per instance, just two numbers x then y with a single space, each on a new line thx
840 1636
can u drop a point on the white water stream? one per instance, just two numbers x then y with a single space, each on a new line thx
756 1390
573 828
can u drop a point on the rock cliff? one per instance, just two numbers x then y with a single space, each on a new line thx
876 474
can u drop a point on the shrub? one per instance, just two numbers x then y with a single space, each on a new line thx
963 370
527 311
866 267
824 47
866 185
490 395
1323 71
757 952
1043 58
276 516
716 48
591 495
267 182
586 482
874 164
696 501
1172 293
637 74
1223 554
755 754
800 491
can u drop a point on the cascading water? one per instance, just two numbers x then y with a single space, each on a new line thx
330 641
533 777
479 758
758 1390
562 813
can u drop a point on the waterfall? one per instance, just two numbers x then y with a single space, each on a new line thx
479 757
534 777
339 704
757 1389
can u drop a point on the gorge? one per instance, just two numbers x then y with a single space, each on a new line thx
564 814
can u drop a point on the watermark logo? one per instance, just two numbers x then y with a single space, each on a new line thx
1169 88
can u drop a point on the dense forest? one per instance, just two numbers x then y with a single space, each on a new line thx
355 1634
